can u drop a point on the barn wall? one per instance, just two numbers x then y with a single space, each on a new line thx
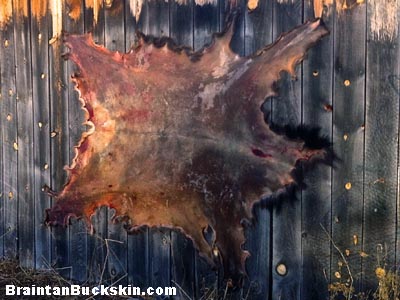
349 87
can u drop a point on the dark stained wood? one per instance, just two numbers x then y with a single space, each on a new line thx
9 126
78 229
381 154
258 33
26 204
2 192
117 236
206 22
316 197
160 257
348 138
59 144
39 38
286 227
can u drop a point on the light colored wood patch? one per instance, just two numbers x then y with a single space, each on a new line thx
383 21
95 5
136 8
204 2
322 7
39 8
5 12
75 9
56 9
252 4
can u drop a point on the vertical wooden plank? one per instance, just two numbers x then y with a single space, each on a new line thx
182 251
258 33
154 20
77 229
206 22
160 257
381 142
286 109
97 245
2 192
9 125
348 139
59 142
138 254
41 137
316 197
117 245
26 221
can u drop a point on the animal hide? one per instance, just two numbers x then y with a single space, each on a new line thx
177 139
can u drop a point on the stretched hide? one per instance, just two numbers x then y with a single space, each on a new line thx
177 139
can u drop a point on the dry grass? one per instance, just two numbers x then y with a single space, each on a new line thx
387 282
12 273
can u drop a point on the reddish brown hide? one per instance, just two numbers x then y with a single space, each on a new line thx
179 140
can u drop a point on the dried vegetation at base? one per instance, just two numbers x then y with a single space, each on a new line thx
387 280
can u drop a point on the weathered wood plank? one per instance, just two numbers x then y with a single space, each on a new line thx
78 228
381 148
41 137
316 197
117 245
206 22
97 244
160 257
59 143
182 251
258 33
138 255
286 229
155 21
348 138
59 153
9 125
2 192
26 174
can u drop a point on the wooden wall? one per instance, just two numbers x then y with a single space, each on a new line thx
349 87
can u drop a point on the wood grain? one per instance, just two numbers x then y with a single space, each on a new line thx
286 219
316 197
381 153
348 139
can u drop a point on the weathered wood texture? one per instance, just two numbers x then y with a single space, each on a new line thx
349 87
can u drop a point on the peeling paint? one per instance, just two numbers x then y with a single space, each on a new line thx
383 22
